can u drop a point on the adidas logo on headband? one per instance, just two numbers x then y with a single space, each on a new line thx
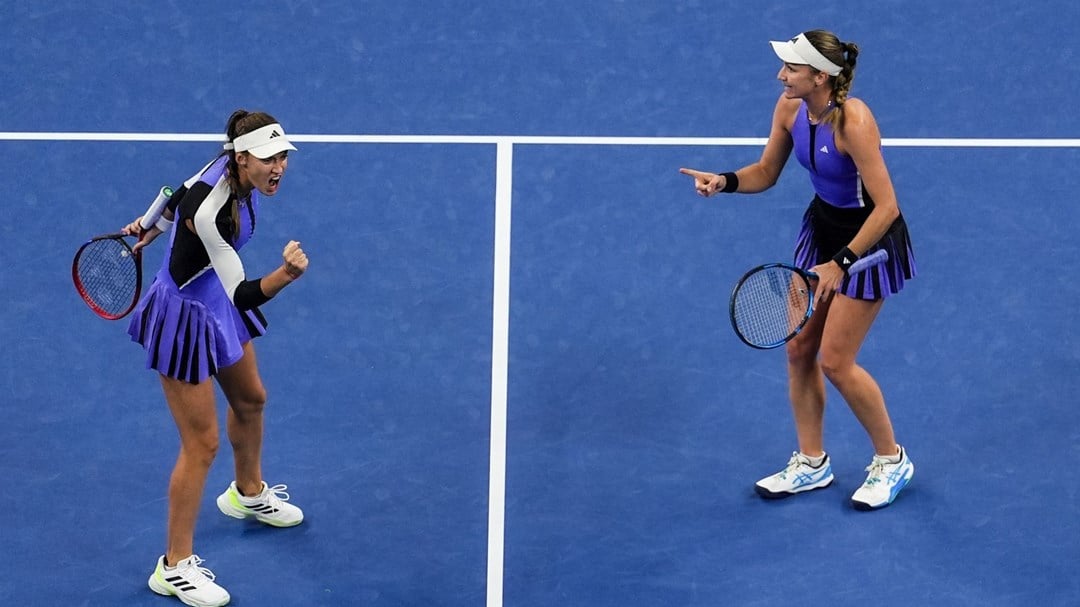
263 142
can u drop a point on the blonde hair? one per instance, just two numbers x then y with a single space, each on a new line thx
843 54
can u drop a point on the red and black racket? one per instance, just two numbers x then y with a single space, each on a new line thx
108 275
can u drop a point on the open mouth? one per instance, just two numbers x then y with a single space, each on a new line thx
272 185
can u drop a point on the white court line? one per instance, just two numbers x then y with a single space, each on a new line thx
501 287
500 340
538 140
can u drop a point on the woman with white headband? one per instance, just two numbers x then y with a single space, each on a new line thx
196 322
854 212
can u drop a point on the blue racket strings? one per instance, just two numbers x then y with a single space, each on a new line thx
770 305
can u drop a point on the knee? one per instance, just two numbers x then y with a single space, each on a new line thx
801 355
252 402
202 448
836 367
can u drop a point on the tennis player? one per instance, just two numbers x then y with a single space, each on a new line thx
854 212
197 322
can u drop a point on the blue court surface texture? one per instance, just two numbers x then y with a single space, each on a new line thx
508 377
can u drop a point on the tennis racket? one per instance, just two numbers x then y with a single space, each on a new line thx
107 272
108 275
772 303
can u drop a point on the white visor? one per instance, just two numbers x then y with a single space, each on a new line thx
263 142
799 51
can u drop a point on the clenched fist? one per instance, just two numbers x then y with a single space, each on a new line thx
296 260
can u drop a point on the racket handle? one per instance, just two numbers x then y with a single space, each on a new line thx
877 257
157 207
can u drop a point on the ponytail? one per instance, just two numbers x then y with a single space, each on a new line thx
844 54
240 123
232 171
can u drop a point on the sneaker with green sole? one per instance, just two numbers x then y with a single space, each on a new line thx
270 506
188 581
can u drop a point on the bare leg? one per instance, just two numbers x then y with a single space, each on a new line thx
843 336
193 409
244 390
806 384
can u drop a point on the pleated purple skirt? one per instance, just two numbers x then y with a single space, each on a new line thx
826 230
191 339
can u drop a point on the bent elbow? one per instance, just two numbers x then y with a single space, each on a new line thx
249 294
892 212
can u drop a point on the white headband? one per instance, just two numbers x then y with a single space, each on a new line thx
263 142
800 51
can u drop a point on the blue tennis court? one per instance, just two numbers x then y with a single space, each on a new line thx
508 377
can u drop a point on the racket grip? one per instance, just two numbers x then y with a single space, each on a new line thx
157 207
877 257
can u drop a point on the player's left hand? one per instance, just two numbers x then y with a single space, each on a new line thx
296 260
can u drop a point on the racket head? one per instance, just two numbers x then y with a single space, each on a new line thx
770 305
108 275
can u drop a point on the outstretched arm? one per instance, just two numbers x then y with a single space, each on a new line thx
764 173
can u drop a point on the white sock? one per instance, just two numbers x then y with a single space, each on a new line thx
815 462
892 459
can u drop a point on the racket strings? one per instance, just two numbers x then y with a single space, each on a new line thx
108 275
770 305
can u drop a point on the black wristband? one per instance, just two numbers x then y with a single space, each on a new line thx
731 182
845 258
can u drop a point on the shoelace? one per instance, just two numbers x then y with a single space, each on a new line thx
876 470
792 465
277 494
194 562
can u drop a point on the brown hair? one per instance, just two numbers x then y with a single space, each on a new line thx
240 123
843 54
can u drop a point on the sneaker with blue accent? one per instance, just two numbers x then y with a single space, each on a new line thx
270 506
187 581
797 477
884 480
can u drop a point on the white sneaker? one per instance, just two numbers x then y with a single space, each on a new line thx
269 506
192 584
797 477
883 483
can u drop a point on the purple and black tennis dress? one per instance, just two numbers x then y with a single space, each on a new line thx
840 207
200 310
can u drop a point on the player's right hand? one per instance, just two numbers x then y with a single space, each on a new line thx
705 183
135 229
